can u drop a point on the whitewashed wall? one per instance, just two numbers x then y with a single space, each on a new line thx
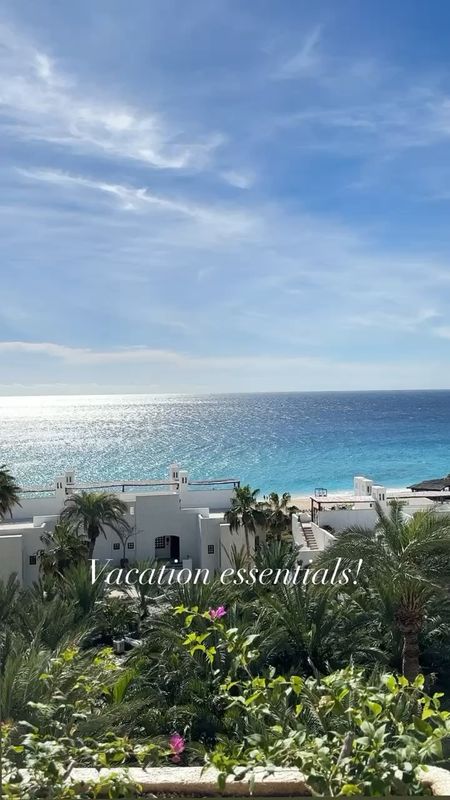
341 519
322 537
185 514
214 499
11 556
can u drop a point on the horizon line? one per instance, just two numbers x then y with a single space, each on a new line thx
221 394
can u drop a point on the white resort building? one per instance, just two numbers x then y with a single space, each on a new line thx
334 513
175 520
181 522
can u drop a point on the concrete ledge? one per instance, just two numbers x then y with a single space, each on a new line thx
191 781
436 779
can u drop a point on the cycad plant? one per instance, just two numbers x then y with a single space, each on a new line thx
63 548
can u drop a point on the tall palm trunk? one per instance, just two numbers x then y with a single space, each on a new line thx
247 542
410 655
92 534
409 623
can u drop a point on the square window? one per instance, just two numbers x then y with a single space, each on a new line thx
210 549
160 542
130 545
116 546
33 561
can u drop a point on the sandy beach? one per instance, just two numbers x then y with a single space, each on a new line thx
303 501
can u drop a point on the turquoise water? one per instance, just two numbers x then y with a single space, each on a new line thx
291 441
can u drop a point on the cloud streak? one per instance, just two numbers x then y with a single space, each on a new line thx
39 102
225 222
151 370
306 62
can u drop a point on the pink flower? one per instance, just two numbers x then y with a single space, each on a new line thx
217 613
177 745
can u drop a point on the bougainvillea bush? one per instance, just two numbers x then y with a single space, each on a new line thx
351 732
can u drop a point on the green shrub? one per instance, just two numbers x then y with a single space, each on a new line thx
347 733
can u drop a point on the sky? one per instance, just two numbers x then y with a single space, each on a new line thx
220 196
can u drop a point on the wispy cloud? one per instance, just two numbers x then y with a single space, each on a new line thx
443 331
413 119
145 355
178 371
306 62
223 221
39 102
399 319
241 180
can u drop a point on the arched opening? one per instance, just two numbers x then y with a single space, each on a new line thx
167 548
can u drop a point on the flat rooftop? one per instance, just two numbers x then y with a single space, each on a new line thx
343 498
432 495
12 526
209 483
390 495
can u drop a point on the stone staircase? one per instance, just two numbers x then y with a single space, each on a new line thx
309 536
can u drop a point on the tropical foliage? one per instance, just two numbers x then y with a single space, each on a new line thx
278 512
9 492
235 675
348 733
63 548
405 577
246 512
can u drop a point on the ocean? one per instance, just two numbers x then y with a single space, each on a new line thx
282 442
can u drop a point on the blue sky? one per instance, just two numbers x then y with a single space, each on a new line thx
224 196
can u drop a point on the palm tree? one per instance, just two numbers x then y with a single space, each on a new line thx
93 512
9 596
63 548
278 512
9 492
405 563
245 511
